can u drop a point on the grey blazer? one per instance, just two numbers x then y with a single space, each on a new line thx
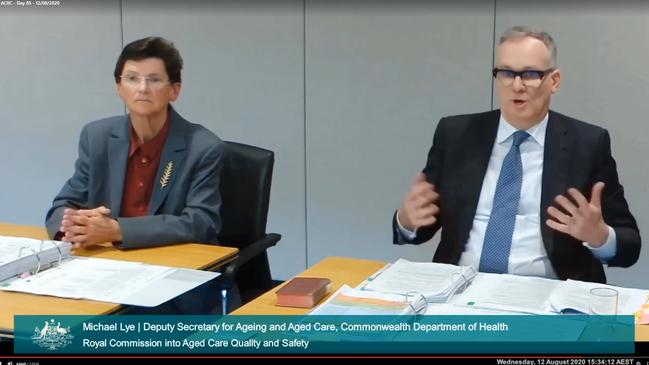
185 210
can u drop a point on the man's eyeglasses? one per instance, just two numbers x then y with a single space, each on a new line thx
154 82
531 78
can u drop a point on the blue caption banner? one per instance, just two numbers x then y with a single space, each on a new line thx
516 334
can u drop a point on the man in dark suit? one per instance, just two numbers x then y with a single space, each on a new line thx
146 178
522 190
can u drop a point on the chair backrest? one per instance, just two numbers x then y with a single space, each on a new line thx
245 192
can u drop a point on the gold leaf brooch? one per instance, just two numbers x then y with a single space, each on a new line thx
166 175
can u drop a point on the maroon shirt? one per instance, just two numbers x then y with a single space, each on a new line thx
141 170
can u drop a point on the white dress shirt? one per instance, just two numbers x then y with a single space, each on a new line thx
528 255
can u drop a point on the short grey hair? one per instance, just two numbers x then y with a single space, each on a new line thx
520 31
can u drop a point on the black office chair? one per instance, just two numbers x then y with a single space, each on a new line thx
245 193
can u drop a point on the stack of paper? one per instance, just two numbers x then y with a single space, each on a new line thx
534 295
522 294
435 282
573 294
114 281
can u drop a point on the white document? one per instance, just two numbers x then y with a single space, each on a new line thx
574 294
571 329
529 294
439 309
436 282
113 281
524 294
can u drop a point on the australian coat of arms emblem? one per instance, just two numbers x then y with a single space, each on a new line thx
52 335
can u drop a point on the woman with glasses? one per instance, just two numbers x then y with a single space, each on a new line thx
146 178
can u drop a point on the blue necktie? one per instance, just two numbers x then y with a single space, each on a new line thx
498 237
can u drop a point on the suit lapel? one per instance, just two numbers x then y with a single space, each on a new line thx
479 139
171 161
555 176
118 146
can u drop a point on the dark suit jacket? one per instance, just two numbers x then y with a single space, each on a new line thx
185 210
576 154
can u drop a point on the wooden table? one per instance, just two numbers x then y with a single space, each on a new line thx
188 255
343 270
